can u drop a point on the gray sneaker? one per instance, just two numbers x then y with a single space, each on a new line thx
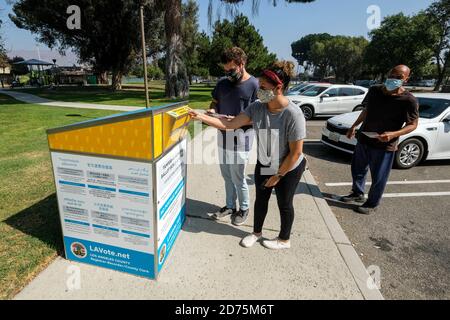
240 217
222 213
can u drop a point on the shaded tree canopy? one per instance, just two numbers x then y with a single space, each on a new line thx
109 36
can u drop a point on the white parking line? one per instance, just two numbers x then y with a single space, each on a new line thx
416 194
345 184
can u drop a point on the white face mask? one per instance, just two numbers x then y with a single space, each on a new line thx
265 96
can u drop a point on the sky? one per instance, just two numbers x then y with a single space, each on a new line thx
279 26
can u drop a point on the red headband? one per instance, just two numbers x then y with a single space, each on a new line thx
272 76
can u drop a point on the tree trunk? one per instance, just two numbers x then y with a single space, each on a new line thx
441 70
116 82
177 85
102 78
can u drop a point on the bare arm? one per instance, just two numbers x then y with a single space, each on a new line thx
223 124
408 128
295 152
361 119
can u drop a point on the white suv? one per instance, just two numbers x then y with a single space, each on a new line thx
324 99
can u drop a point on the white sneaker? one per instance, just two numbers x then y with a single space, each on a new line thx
250 240
276 244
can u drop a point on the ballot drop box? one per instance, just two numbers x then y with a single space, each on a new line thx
121 187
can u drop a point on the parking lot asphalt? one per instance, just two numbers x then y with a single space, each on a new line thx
408 237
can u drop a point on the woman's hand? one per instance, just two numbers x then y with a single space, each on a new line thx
195 115
272 182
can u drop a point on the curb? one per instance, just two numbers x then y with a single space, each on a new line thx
348 253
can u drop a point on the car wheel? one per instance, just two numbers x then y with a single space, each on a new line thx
409 154
358 108
308 112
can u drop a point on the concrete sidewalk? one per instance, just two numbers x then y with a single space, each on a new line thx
207 261
30 98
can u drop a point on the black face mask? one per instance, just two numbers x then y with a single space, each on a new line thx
234 76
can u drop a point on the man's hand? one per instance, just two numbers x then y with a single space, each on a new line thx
351 132
387 136
272 182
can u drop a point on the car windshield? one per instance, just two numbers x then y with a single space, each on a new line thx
298 87
314 91
299 91
431 107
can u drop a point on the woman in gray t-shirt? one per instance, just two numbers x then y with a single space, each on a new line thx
280 130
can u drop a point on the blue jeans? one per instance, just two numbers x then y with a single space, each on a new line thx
379 162
233 173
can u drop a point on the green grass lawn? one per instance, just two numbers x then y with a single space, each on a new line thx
30 236
199 97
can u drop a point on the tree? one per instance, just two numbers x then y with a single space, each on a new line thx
346 55
319 60
302 51
203 52
439 15
244 35
108 37
177 85
401 40
190 37
3 57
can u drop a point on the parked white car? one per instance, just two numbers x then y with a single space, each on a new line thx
431 140
327 99
299 89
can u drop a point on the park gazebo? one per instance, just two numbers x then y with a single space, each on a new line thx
38 66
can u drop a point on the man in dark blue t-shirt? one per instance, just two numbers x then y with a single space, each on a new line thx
231 96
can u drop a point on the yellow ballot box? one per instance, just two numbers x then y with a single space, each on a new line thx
121 187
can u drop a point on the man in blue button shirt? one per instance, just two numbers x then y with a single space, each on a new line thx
231 96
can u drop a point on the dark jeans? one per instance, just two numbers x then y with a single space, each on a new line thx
285 191
380 163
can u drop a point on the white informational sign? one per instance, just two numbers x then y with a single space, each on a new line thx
170 186
106 210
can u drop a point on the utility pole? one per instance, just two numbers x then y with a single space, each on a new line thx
144 56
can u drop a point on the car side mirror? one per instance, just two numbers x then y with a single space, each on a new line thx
326 95
447 119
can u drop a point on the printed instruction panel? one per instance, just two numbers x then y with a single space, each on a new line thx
106 201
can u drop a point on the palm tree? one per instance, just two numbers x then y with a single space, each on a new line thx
232 6
177 84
